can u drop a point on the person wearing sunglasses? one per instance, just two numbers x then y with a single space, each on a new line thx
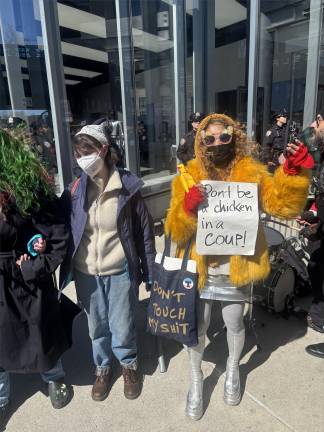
222 154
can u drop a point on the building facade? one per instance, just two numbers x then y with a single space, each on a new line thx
145 65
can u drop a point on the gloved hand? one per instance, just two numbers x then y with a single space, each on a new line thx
193 198
297 157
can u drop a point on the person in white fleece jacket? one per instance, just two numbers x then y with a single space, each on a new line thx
111 253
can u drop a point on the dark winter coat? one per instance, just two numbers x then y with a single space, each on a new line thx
134 226
34 328
274 144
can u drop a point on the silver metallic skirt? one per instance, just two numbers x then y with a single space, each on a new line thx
219 287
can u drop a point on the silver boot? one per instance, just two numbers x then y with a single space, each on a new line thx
194 407
232 387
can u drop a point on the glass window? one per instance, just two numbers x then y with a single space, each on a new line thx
24 98
91 67
283 50
229 83
154 86
191 15
217 49
4 89
320 93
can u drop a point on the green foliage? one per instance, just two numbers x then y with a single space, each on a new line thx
22 175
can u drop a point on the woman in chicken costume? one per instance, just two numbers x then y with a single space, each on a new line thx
222 154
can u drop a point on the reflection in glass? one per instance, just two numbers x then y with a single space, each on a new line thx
230 83
320 94
284 33
217 51
154 82
24 98
91 68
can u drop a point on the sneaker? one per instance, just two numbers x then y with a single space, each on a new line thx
59 394
132 384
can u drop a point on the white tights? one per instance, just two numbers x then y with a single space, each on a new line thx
233 317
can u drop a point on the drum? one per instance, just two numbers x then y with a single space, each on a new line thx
276 292
274 240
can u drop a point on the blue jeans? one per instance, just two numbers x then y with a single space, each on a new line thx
54 374
109 302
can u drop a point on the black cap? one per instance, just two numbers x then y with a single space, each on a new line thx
281 113
196 117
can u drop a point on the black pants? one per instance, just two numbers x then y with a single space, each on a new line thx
316 273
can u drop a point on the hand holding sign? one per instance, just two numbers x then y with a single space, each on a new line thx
228 222
193 198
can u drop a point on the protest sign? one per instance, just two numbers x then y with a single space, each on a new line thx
228 221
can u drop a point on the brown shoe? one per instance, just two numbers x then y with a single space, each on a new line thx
101 387
132 384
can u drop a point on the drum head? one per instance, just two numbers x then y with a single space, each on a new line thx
281 287
273 237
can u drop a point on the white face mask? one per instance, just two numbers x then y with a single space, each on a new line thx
91 164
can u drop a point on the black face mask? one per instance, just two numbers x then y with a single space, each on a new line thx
221 155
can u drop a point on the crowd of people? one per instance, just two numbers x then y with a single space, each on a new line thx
101 235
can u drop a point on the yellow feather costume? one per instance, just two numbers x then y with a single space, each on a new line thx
280 195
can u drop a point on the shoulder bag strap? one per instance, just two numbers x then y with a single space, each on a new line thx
186 255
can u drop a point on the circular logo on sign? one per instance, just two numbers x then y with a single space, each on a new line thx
188 283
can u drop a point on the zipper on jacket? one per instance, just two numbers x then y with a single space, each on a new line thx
96 236
97 230
98 254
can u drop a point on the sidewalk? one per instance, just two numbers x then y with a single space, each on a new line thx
283 386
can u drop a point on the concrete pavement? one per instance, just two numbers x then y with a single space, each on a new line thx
283 386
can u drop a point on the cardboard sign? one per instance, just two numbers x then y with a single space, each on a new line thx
228 222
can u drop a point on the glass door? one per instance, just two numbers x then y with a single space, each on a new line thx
91 67
282 61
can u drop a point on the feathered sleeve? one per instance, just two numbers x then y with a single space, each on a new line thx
283 195
179 224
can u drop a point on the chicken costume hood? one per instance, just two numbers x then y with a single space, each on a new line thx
216 167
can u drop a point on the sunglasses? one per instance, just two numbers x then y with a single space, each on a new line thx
224 138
